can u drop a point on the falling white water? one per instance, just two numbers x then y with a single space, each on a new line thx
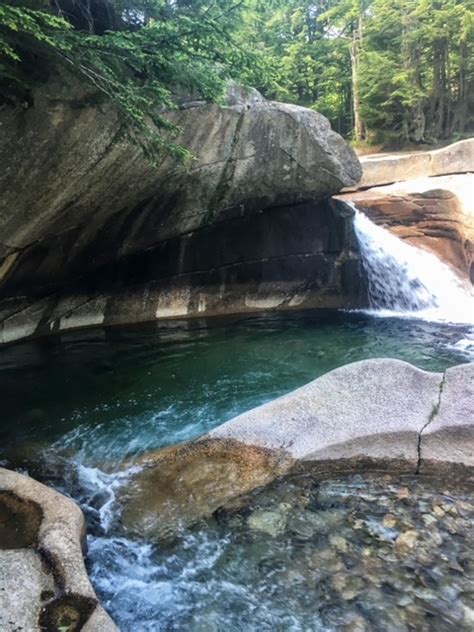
404 280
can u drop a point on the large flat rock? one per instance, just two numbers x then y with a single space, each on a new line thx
381 169
373 408
65 170
372 413
450 435
87 222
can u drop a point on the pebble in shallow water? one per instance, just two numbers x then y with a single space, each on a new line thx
270 522
406 542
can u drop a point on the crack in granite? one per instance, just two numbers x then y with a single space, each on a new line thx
431 418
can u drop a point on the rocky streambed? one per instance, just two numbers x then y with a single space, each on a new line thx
340 505
359 552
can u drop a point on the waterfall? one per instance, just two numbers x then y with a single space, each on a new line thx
404 280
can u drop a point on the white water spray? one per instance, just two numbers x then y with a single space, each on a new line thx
404 280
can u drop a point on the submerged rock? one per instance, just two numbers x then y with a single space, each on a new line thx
339 543
406 542
180 485
358 624
341 578
272 523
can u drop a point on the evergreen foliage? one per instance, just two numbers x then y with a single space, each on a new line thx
384 71
380 70
138 54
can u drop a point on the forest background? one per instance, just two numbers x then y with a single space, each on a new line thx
392 73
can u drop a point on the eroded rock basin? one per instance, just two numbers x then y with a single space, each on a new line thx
377 551
96 408
43 580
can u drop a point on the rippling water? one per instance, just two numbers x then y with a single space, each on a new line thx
76 406
109 394
359 553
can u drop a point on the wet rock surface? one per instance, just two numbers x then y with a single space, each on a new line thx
432 213
180 485
21 521
360 552
43 580
94 234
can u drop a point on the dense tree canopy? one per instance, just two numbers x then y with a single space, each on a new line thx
383 71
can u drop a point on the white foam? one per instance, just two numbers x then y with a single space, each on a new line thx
406 281
465 346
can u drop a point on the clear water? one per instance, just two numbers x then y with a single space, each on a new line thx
301 554
371 552
75 407
115 393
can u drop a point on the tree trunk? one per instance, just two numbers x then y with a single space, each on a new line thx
414 122
460 114
359 127
438 94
